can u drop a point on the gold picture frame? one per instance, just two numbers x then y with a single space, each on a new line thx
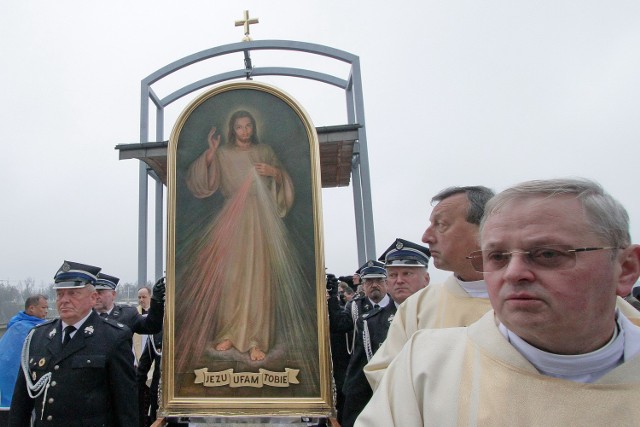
246 329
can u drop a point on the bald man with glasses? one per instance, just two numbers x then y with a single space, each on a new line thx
556 349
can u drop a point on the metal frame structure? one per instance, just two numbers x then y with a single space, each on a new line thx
352 87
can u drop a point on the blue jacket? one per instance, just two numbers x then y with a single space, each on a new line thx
10 350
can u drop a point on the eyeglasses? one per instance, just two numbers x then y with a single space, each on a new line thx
550 257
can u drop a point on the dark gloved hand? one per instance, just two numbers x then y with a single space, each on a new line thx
332 285
159 289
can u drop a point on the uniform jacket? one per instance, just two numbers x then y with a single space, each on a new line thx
92 378
377 320
148 356
138 323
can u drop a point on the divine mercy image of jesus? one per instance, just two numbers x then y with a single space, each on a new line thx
243 288
258 193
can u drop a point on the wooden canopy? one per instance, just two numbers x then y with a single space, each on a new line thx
338 145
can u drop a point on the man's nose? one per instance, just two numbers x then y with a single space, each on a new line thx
518 268
427 236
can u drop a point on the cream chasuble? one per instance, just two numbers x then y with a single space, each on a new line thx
474 377
442 305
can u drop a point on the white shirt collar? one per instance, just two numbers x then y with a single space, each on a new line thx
383 302
475 289
78 324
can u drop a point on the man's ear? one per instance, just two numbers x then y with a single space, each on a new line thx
629 260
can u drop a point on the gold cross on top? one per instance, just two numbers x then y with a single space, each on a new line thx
246 22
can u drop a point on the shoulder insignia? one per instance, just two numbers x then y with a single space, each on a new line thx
48 322
52 333
114 323
88 330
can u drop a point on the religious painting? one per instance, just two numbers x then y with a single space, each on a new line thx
246 330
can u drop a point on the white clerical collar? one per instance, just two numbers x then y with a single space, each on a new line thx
383 302
476 289
584 368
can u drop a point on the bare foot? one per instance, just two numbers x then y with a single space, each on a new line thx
256 354
224 345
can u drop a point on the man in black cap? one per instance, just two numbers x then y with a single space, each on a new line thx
406 263
369 318
76 370
152 323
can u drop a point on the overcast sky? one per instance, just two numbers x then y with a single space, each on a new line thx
456 93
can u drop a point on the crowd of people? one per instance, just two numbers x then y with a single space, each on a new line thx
540 306
91 358
532 327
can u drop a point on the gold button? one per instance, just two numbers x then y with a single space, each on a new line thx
49 418
50 400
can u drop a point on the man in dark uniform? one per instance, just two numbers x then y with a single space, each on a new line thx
368 317
76 370
406 264
150 360
340 343
129 316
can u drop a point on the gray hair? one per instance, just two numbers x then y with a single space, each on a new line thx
607 217
478 197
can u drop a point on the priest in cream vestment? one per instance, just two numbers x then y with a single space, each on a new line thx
462 299
474 377
557 349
